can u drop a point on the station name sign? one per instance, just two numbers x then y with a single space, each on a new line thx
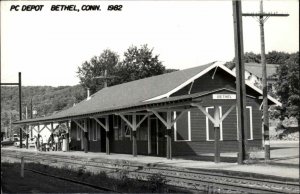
224 96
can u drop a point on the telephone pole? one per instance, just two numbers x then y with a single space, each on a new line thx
31 116
105 77
240 78
262 18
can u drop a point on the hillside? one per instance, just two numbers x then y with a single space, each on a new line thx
45 100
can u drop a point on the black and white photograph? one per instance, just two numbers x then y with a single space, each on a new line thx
166 96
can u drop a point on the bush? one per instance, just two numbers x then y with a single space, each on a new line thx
80 171
102 175
123 179
157 182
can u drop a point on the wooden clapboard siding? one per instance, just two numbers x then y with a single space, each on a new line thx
198 143
73 132
229 125
75 145
95 146
202 147
183 91
121 146
198 125
256 143
125 147
206 83
142 147
182 127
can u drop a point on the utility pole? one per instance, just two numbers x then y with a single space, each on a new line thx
20 106
262 18
240 78
31 116
26 112
20 101
27 134
31 107
105 77
10 125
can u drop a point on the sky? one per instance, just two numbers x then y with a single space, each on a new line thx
48 46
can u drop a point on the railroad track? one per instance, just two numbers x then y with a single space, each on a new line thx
195 180
72 180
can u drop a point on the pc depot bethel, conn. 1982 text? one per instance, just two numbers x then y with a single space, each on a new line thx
65 8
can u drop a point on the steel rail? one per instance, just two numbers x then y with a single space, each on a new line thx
200 183
72 180
183 171
176 177
150 168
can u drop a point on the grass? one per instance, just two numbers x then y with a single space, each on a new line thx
120 182
11 182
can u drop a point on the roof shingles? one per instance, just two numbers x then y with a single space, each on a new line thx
128 94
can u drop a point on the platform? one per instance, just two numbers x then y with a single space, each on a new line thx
284 162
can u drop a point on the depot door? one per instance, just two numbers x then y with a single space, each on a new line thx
157 138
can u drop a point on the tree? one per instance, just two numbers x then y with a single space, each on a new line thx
88 71
252 58
288 87
275 57
138 63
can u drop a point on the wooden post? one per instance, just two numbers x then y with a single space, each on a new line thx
149 136
22 167
68 143
134 125
168 124
264 84
262 19
68 135
20 108
38 138
85 142
85 138
134 144
27 136
52 135
240 78
107 142
169 143
217 133
31 117
107 136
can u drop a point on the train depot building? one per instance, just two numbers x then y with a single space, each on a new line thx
183 113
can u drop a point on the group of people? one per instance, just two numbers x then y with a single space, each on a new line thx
53 143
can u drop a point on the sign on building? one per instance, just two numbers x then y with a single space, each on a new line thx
224 96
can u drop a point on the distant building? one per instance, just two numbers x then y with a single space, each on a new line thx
253 74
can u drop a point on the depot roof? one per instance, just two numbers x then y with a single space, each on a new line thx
143 92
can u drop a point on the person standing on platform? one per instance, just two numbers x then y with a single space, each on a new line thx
59 142
44 143
35 142
50 143
47 147
56 142
41 143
